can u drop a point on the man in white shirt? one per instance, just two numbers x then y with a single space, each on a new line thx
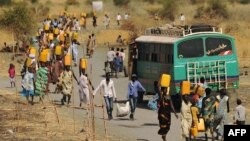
240 113
118 18
126 16
182 19
108 90
111 55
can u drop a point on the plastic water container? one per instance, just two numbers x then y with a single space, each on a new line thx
43 56
165 80
185 87
28 62
32 51
58 50
83 63
67 60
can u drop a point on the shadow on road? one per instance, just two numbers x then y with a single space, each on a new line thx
142 140
150 124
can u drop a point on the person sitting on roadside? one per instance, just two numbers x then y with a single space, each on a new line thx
119 39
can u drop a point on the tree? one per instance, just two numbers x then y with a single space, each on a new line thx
121 2
18 20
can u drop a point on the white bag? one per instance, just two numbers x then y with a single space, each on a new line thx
122 111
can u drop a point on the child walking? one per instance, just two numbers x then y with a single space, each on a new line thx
12 75
28 85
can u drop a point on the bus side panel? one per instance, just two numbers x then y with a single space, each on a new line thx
150 72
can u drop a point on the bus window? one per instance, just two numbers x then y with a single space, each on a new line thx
191 48
218 46
154 57
162 53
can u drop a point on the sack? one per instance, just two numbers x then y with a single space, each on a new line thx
201 125
152 103
194 131
122 111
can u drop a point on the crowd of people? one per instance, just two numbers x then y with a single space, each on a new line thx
52 63
201 110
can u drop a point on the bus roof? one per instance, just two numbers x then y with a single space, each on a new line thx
157 39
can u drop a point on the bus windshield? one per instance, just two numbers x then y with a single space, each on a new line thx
218 46
191 48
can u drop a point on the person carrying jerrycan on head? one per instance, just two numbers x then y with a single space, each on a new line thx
165 105
133 86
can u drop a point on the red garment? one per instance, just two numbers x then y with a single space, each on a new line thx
12 72
56 71
49 74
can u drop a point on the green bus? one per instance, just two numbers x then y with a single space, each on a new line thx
187 55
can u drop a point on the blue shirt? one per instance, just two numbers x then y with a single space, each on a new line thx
134 87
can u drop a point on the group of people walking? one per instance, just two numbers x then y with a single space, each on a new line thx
213 111
58 45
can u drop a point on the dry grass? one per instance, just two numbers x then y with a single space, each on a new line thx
34 122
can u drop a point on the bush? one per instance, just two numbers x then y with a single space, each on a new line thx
217 8
214 9
121 2
133 31
169 9
5 2
244 1
150 1
19 20
33 1
72 2
196 1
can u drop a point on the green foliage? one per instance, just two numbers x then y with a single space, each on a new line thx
5 2
169 9
72 2
19 20
121 2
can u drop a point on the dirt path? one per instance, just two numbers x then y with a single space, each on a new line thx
143 128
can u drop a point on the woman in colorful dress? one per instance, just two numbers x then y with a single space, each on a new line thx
164 113
66 82
41 80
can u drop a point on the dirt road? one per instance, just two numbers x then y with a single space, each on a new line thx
143 128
